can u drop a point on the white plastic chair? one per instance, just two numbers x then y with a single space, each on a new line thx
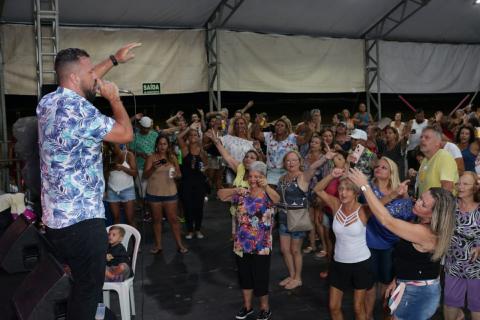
124 288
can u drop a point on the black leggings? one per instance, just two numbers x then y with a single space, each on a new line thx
193 198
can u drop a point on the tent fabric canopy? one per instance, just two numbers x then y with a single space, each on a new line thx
444 21
285 46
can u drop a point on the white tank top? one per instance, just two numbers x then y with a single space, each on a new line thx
351 241
414 139
119 180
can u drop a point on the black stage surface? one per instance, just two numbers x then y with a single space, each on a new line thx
203 283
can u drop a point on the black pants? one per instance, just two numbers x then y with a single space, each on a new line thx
193 198
83 247
254 273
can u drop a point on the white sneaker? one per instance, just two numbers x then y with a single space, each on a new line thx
200 235
189 236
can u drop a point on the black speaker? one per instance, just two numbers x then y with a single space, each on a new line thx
44 293
21 247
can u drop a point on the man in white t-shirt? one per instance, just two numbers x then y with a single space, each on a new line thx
456 154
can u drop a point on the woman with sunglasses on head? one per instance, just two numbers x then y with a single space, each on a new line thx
462 263
416 289
293 190
161 168
194 182
380 241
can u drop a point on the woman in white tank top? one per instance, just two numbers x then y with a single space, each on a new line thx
350 268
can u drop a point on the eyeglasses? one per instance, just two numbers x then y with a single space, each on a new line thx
463 184
382 167
290 161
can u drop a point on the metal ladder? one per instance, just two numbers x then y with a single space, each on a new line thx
46 24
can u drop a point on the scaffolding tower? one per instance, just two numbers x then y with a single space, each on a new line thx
46 25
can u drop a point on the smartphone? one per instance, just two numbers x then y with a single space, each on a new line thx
357 153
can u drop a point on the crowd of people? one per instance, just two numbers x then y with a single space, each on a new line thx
390 201
386 203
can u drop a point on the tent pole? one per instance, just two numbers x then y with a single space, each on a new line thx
217 20
380 30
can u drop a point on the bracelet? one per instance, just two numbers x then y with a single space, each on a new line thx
114 60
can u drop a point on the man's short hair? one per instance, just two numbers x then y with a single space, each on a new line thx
66 56
437 132
119 229
419 110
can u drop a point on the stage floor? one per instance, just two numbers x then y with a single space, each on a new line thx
203 283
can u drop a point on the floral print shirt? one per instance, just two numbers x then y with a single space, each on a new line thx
276 150
70 133
254 222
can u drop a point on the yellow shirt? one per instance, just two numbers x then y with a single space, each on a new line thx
441 167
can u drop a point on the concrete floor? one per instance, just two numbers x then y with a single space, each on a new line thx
203 283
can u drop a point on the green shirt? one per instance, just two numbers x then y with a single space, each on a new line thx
144 143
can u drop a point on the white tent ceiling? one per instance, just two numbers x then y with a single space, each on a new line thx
450 21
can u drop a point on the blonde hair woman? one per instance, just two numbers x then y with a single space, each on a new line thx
293 190
380 241
419 250
350 267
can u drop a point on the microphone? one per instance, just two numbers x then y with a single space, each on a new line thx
125 91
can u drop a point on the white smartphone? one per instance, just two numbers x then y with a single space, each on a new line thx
357 153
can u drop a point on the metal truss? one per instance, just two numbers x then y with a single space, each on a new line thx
46 24
222 13
379 30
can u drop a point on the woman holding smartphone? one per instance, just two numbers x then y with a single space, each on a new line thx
415 293
161 168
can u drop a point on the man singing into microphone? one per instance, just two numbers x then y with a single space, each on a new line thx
71 131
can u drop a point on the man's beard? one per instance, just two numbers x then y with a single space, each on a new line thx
90 95
91 92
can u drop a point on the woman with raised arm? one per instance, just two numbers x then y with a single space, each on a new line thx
194 182
387 187
350 267
417 255
240 168
253 238
293 189
462 263
279 143
161 168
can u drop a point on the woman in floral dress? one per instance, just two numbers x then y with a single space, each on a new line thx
253 238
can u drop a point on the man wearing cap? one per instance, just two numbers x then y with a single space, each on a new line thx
367 159
143 145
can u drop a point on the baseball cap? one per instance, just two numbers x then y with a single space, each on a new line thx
359 134
146 122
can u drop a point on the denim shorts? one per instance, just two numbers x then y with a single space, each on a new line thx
382 265
456 289
418 302
152 198
122 196
283 228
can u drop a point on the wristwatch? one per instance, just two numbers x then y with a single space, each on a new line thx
364 187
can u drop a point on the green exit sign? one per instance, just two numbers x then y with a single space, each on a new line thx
151 88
